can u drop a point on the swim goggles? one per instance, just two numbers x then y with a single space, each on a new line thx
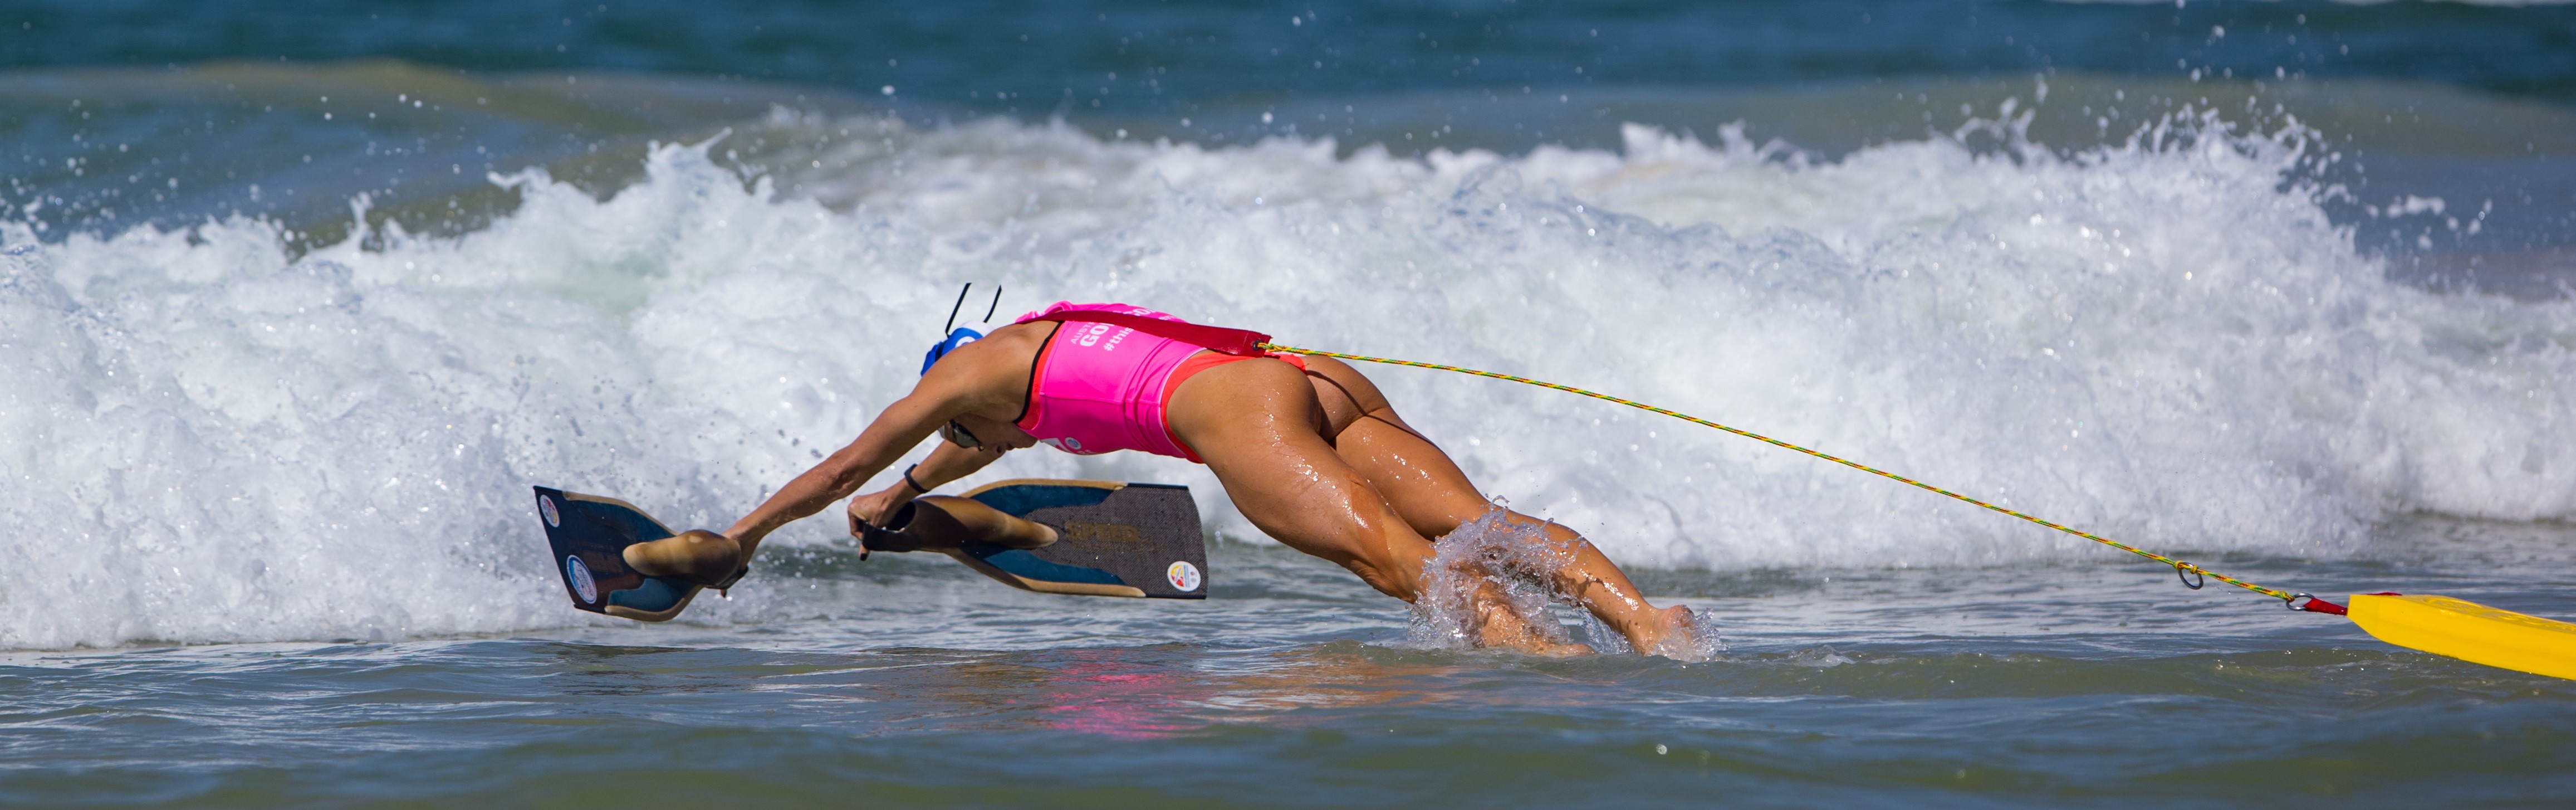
957 434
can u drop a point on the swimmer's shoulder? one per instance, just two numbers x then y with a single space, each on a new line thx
1030 334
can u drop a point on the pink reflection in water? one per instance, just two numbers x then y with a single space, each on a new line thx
1110 697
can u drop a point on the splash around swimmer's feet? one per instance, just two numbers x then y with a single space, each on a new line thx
1486 587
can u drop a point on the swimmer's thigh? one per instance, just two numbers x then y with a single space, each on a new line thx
1257 425
1422 483
1416 477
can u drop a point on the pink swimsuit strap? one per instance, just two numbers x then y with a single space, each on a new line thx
1097 388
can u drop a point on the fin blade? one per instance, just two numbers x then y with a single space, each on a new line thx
1114 539
589 535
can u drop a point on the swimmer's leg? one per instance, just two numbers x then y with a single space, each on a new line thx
1425 487
1257 425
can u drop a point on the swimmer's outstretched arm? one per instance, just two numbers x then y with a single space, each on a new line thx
900 428
959 383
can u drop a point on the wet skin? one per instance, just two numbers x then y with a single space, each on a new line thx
1316 459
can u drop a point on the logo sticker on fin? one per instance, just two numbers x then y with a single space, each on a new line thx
588 589
546 507
1183 575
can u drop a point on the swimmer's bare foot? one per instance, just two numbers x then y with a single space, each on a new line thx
1676 635
1498 625
700 556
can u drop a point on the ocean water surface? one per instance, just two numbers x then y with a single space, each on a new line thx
297 300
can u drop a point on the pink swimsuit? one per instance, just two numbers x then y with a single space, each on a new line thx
1097 388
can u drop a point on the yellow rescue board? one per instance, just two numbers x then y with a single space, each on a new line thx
2470 631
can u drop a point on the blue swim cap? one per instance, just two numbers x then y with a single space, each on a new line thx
960 337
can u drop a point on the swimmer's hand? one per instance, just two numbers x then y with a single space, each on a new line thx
875 508
698 556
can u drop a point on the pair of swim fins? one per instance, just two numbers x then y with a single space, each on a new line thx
1112 539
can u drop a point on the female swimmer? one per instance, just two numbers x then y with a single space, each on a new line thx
1308 449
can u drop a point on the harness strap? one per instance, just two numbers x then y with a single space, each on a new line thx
1238 342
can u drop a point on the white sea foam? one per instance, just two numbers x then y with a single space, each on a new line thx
205 440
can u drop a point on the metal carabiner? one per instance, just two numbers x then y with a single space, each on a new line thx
2181 568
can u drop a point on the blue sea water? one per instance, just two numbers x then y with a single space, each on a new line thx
298 298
